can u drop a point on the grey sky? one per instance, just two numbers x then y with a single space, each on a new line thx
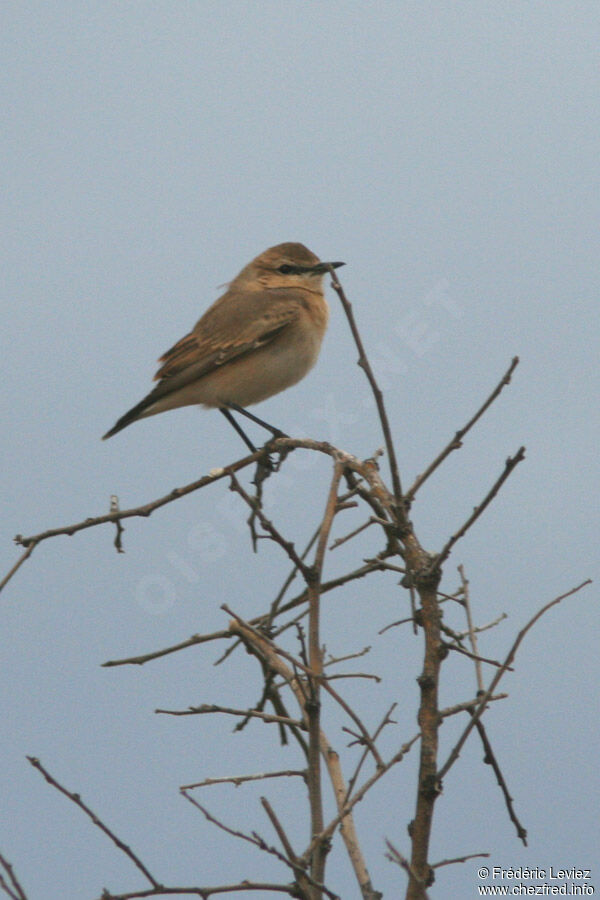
448 152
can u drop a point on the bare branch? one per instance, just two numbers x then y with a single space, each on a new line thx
371 565
477 629
380 498
363 362
293 572
312 707
156 654
241 779
264 641
468 705
246 713
456 441
305 882
270 529
459 859
478 659
395 856
14 889
146 509
264 649
387 719
455 752
76 799
205 892
491 760
372 520
510 464
472 636
259 842
333 661
345 806
24 556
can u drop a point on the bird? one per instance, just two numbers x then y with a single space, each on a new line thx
262 336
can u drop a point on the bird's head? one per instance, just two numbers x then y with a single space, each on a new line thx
287 265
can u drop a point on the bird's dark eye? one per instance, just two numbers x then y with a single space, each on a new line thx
285 269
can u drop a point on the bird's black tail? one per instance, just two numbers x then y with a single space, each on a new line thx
131 416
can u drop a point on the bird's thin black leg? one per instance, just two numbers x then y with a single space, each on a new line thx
276 432
238 428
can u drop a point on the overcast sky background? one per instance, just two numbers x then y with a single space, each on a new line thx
448 152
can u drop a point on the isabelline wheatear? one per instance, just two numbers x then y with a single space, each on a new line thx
261 337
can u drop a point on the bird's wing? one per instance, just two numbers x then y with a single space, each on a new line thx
236 324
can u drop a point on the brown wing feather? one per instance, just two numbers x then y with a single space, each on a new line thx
234 325
181 354
237 323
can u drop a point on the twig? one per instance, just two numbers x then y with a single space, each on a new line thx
472 636
459 635
363 362
241 779
76 799
395 856
315 661
510 464
205 892
491 760
293 572
372 520
263 642
459 859
385 721
468 705
370 566
30 548
280 832
259 842
14 890
455 752
114 508
253 838
270 529
156 654
304 880
333 661
146 509
345 807
477 659
379 497
262 648
456 441
31 542
246 713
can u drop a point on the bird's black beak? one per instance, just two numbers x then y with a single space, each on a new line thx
323 267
